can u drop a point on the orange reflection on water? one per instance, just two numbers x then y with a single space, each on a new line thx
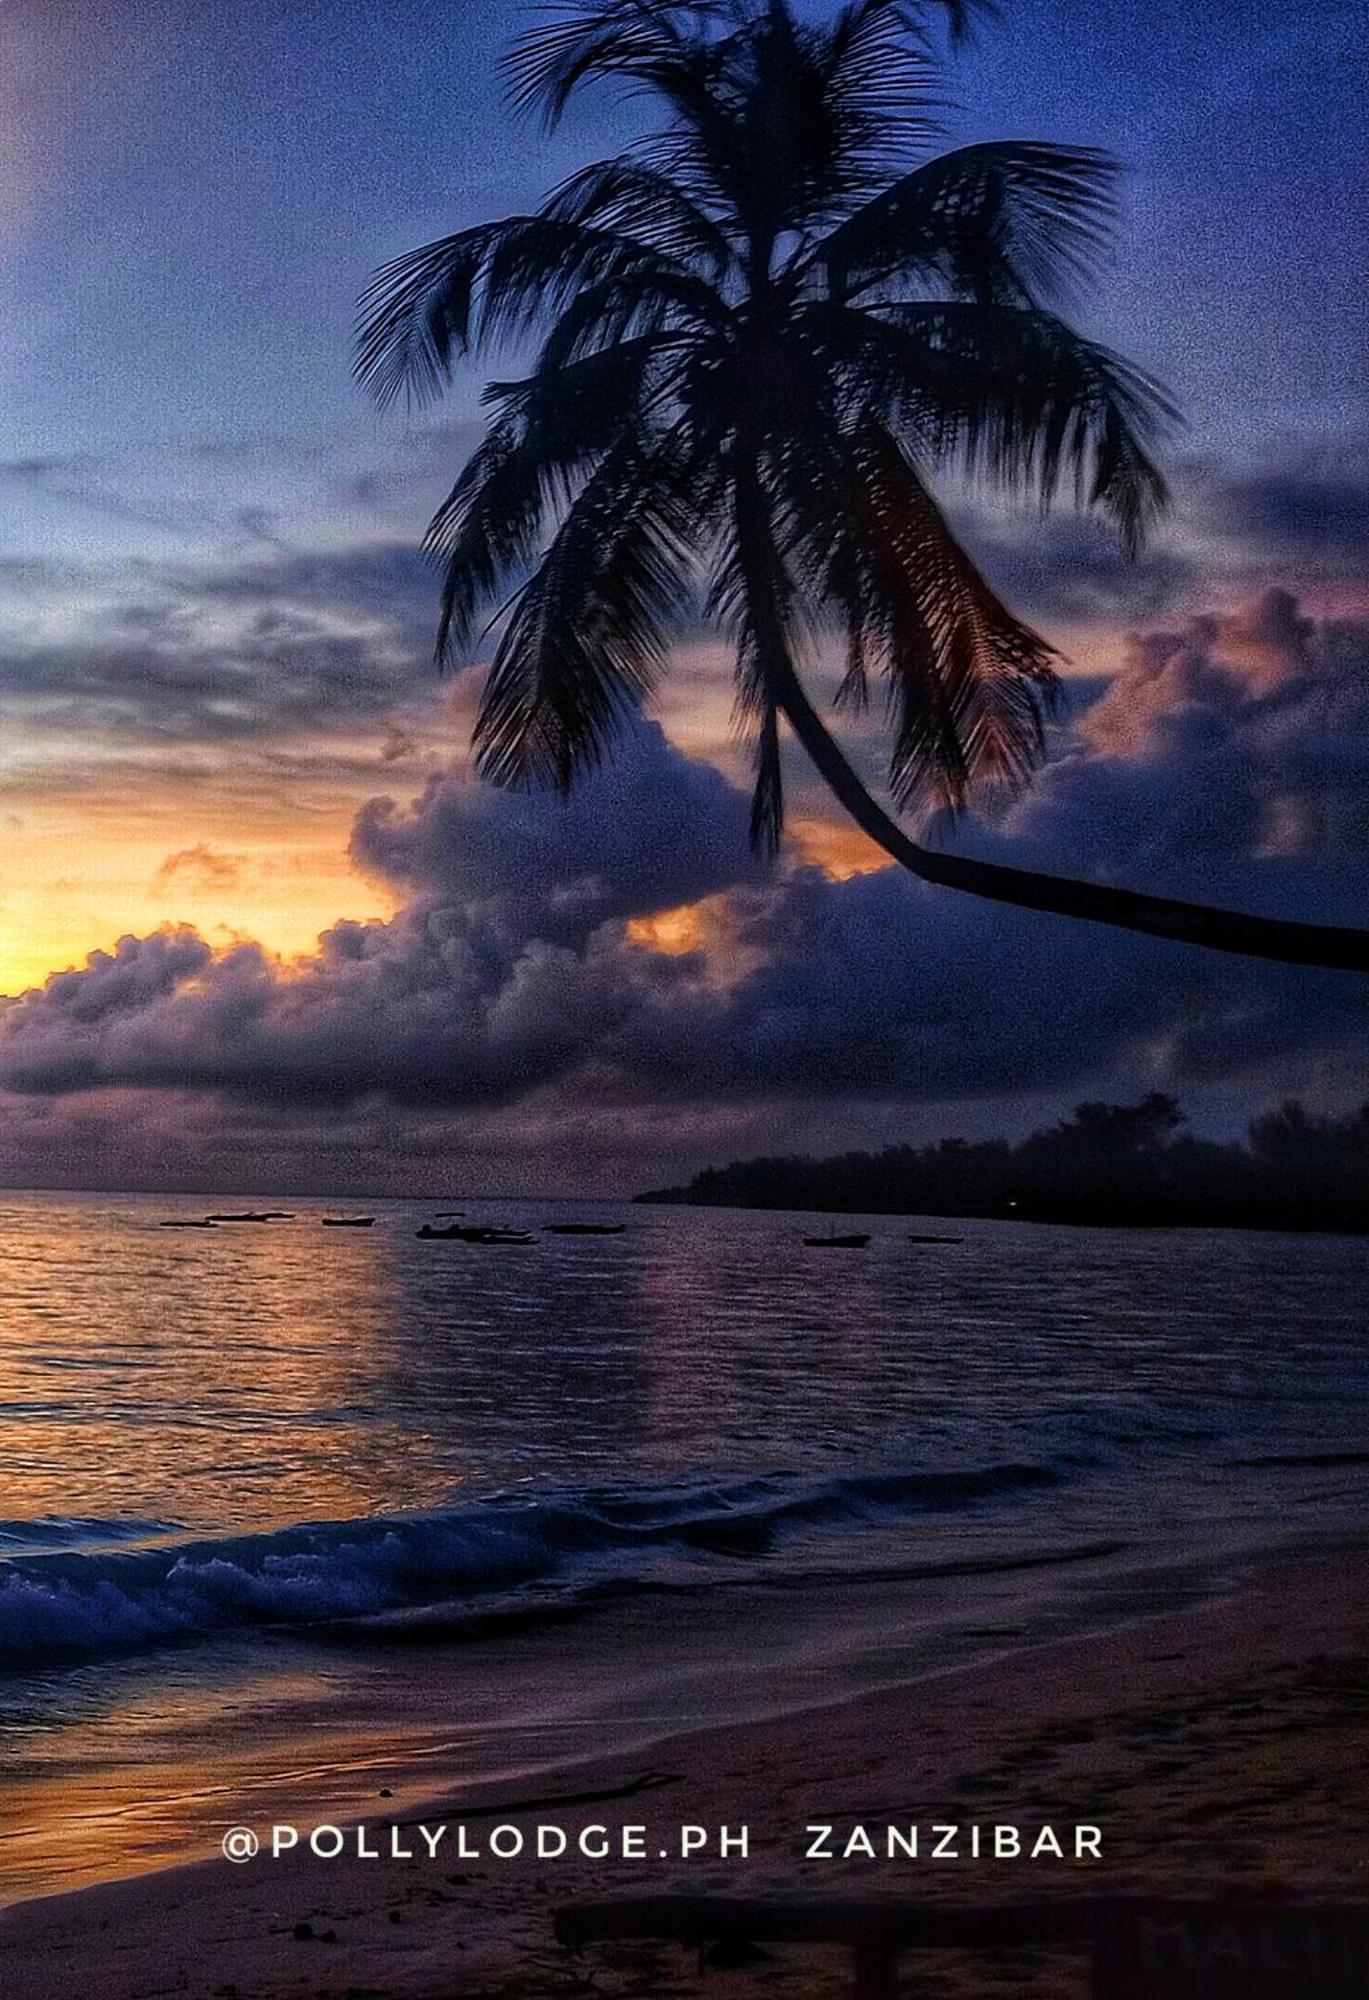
156 1778
222 1379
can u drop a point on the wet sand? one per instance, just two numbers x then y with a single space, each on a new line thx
1216 1747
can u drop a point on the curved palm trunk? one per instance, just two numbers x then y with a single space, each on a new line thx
1159 916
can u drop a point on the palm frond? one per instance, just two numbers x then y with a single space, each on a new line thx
575 404
1024 399
486 529
587 634
1010 395
634 198
881 74
574 44
414 316
1011 222
968 681
551 430
627 307
425 310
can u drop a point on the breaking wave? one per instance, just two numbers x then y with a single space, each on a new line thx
73 1590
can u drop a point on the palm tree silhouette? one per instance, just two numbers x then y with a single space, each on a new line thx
763 330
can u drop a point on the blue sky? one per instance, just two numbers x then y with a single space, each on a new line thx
221 178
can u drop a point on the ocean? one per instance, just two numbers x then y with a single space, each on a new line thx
294 1513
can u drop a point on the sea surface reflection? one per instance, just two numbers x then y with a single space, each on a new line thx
248 1471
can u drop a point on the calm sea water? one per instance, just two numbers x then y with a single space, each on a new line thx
252 1467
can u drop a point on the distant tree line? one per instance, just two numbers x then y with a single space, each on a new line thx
1114 1164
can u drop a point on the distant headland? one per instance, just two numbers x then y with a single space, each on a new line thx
1115 1165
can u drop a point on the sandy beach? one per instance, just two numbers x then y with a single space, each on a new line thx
1220 1747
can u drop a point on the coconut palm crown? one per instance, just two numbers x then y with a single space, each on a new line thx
762 332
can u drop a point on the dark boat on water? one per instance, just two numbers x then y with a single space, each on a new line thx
189 1222
254 1215
457 1234
585 1228
936 1239
348 1221
836 1242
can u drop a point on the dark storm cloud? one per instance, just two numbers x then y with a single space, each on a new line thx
881 990
648 832
507 970
387 581
428 1009
285 642
1069 567
293 643
1220 763
1299 513
79 481
126 982
1312 509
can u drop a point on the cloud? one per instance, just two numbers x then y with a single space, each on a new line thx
649 831
199 867
509 966
1230 756
290 645
1308 508
1070 569
1300 513
519 990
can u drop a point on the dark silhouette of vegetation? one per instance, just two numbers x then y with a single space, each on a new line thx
766 329
1124 1165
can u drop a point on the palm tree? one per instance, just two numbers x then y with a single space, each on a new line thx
762 331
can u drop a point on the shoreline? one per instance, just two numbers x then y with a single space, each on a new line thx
1121 1220
1214 1745
340 1725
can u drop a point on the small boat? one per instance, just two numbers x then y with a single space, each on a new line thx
442 1213
348 1221
455 1233
585 1228
254 1215
936 1239
836 1242
189 1222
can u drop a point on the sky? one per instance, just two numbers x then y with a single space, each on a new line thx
260 925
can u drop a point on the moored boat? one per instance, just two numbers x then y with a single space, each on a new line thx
456 1233
254 1215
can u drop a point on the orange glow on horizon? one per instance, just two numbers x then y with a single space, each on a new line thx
70 883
